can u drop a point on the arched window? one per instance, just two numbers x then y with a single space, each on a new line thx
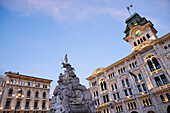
124 69
140 76
164 79
144 103
144 87
162 98
135 44
138 41
103 85
136 64
168 96
127 81
169 46
141 40
158 81
150 102
10 92
115 86
123 83
118 71
134 104
133 65
155 61
44 95
36 94
130 66
150 65
121 70
166 48
28 93
144 38
128 106
148 36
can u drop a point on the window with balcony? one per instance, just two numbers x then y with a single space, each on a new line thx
7 105
153 63
43 105
27 104
10 92
28 93
44 95
36 94
35 105
18 104
162 98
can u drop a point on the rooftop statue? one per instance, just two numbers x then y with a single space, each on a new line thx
70 96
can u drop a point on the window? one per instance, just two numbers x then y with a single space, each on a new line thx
130 91
144 38
166 48
144 87
135 44
123 83
115 86
156 63
112 87
10 92
168 96
111 75
126 93
36 94
118 95
27 104
103 85
158 81
44 95
164 79
38 85
43 105
162 98
11 81
150 66
23 82
138 41
114 96
140 76
35 105
119 108
141 40
28 83
28 93
147 102
148 36
18 104
139 88
127 81
7 103
105 98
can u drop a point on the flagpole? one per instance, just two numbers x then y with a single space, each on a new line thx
128 10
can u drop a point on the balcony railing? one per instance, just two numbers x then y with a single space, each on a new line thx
35 107
27 107
161 87
44 108
7 107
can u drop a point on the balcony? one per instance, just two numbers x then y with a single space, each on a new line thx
27 107
44 108
36 108
167 86
18 107
7 107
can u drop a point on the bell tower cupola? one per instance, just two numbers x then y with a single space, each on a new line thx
139 32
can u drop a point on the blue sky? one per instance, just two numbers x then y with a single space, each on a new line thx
36 34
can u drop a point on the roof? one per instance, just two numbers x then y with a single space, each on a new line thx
17 75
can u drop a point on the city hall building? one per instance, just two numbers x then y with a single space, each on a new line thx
25 94
140 82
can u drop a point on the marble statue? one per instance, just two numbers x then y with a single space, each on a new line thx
69 96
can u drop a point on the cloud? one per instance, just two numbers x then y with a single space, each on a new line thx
63 9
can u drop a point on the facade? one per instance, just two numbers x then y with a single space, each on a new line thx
138 83
25 94
2 86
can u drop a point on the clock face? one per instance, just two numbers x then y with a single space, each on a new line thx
138 33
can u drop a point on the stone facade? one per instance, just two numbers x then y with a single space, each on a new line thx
70 96
138 83
26 94
2 86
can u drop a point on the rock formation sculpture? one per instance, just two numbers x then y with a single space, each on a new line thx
70 96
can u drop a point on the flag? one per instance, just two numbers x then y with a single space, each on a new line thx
129 7
132 74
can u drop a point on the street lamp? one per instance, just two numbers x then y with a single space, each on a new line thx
19 94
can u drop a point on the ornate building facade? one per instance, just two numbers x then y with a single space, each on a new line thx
138 83
25 94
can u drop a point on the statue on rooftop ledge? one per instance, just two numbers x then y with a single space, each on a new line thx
70 96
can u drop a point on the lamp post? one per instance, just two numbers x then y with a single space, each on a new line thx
19 94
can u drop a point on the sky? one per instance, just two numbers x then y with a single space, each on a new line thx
36 34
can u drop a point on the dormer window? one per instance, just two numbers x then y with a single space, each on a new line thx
138 33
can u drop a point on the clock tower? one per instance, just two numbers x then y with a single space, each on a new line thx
139 32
